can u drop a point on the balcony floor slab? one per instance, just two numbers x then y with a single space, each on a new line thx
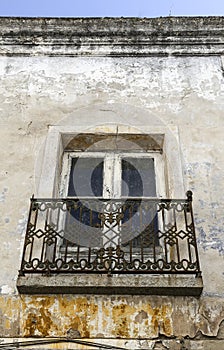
111 284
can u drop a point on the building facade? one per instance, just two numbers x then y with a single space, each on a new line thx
114 128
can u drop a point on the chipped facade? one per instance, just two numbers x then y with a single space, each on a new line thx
131 76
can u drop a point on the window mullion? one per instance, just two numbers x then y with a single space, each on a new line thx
117 176
108 176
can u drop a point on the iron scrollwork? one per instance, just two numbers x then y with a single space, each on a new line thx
110 236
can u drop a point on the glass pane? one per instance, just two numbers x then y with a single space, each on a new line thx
140 219
86 177
138 177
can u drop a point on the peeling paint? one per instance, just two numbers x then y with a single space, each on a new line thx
6 289
43 316
128 317
9 315
142 318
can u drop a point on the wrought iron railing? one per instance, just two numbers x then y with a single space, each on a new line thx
96 235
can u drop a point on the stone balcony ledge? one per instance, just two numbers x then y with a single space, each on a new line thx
188 285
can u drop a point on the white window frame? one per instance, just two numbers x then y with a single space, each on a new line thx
111 188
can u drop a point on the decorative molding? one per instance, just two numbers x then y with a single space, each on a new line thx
162 36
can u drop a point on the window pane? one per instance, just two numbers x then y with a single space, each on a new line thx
138 177
86 177
86 180
138 180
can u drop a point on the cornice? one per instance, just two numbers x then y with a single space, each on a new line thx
163 36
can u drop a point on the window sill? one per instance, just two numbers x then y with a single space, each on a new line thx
111 285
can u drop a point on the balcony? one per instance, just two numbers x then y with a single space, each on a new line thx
111 238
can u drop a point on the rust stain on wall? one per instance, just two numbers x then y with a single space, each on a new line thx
141 320
85 311
153 320
56 315
109 317
161 320
121 314
38 317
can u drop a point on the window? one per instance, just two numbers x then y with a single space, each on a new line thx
112 174
122 183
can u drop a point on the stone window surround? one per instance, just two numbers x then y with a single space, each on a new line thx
49 180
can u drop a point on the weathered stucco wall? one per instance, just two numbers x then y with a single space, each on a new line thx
181 92
111 317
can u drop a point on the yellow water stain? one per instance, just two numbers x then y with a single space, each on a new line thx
121 315
150 320
37 316
78 313
167 324
38 323
167 327
50 315
9 315
81 304
80 323
7 324
66 306
9 306
161 319
106 310
87 311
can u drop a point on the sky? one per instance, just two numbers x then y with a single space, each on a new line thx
111 8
